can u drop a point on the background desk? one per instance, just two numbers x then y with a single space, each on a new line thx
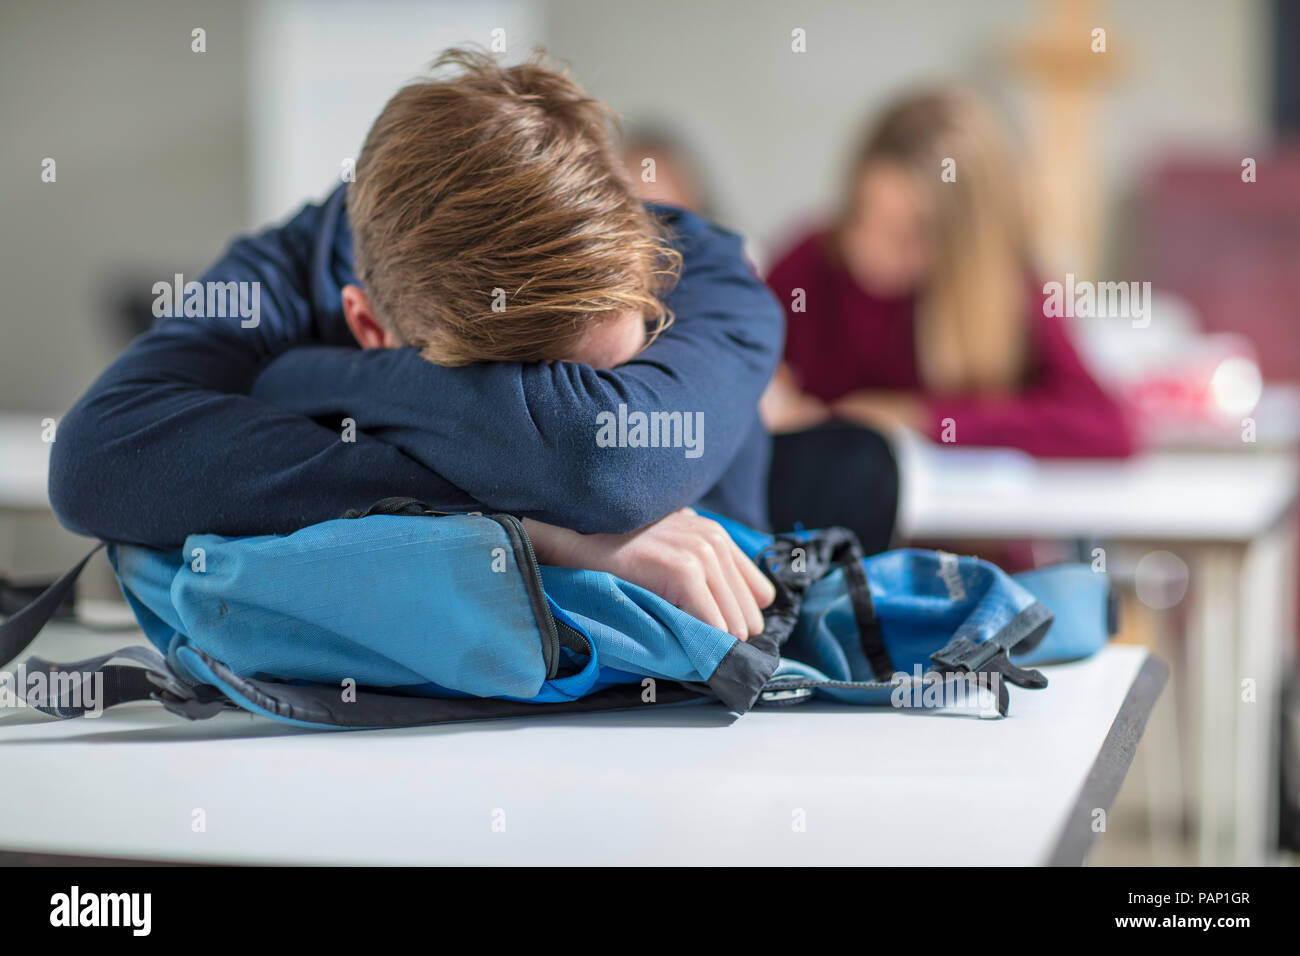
24 462
1230 516
687 785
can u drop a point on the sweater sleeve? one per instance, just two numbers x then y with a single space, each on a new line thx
167 442
523 438
1062 413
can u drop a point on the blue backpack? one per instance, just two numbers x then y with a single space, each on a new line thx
401 615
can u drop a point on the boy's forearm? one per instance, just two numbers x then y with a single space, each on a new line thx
527 438
166 442
149 456
478 428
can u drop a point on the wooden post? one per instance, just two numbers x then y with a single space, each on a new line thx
1065 64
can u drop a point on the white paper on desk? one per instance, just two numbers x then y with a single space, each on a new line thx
971 468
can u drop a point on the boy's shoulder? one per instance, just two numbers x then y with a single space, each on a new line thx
691 232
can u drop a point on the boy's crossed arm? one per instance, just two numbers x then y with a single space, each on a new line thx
167 442
548 440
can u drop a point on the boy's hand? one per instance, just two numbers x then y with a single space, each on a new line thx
687 560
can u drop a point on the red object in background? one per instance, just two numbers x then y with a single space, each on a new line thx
1180 390
1232 248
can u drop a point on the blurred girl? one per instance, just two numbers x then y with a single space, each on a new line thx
919 306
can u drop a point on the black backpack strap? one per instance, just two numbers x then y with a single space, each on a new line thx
323 705
76 688
823 551
21 628
848 554
79 687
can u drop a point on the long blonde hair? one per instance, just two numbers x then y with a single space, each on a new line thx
971 311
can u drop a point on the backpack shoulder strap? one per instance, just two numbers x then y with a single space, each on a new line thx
65 690
21 628
324 707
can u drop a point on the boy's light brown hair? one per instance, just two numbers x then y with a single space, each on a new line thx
501 178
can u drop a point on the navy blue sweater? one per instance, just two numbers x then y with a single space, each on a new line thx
204 426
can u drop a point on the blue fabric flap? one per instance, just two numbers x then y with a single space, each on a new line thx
386 601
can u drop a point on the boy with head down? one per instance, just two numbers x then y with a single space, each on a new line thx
483 292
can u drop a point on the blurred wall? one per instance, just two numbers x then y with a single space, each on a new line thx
775 127
164 154
321 70
149 144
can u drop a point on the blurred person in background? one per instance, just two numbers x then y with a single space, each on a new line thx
664 169
918 306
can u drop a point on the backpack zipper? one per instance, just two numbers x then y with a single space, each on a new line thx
551 628
554 633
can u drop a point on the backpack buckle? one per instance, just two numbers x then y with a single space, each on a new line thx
990 657
191 701
963 654
785 696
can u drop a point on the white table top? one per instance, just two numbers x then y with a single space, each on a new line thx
687 785
957 492
1277 425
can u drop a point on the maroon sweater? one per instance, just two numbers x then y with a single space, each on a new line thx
847 340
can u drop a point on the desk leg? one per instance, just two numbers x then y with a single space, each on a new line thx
1265 638
1163 748
1213 627
1241 629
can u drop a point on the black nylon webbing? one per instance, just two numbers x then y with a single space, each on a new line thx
864 611
20 629
120 683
